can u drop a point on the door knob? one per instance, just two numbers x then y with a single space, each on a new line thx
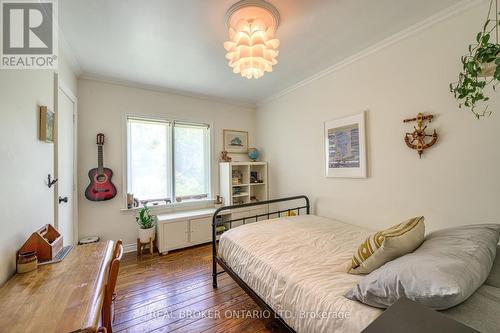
61 199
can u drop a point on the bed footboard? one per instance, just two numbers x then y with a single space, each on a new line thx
270 214
216 260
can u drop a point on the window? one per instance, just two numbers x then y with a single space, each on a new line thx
167 160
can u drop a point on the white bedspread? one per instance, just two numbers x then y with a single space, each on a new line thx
298 265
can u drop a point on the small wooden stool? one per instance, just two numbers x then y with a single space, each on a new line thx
141 246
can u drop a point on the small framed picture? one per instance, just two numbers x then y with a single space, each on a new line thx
47 119
345 147
235 141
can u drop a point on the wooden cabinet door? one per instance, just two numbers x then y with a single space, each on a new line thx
201 230
175 235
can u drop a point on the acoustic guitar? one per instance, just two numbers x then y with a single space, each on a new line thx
100 188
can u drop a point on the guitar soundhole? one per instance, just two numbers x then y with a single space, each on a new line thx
101 178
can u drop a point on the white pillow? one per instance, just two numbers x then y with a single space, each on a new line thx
443 272
494 277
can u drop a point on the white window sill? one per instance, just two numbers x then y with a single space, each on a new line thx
176 206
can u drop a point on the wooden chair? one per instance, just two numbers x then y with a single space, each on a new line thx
109 294
118 245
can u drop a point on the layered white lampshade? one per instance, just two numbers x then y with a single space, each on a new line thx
252 48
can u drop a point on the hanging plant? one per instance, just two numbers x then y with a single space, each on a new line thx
481 67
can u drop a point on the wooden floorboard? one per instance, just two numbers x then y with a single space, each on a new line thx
173 293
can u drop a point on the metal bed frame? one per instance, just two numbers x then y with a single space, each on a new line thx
218 260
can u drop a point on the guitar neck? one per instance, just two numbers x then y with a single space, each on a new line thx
100 168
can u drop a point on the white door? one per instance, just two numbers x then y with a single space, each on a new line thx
65 166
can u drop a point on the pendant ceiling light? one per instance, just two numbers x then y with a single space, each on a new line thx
252 48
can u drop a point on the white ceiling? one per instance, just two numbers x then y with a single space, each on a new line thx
177 44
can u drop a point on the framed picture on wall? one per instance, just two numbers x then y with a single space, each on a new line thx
345 147
46 130
235 141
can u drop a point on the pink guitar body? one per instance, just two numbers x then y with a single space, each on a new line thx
100 188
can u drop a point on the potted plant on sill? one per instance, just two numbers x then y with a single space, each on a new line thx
147 225
480 67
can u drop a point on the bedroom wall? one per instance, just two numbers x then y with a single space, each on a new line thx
456 182
26 201
66 73
102 108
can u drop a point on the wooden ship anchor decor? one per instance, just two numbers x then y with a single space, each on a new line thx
419 138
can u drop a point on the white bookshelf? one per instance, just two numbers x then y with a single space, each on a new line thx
243 182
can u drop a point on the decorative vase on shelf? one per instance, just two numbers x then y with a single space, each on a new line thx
253 154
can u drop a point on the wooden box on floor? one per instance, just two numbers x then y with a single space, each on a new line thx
47 242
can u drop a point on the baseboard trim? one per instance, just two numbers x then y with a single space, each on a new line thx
129 248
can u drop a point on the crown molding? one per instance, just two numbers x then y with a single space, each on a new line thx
408 32
154 88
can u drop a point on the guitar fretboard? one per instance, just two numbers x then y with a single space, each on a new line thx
100 168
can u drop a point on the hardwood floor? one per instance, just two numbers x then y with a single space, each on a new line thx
173 293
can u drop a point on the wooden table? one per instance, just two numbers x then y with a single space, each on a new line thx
411 317
61 297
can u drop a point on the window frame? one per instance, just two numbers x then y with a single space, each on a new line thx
209 143
208 156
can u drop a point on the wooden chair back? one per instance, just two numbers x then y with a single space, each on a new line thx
118 246
109 295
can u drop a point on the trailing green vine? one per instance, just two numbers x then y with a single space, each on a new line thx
480 68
